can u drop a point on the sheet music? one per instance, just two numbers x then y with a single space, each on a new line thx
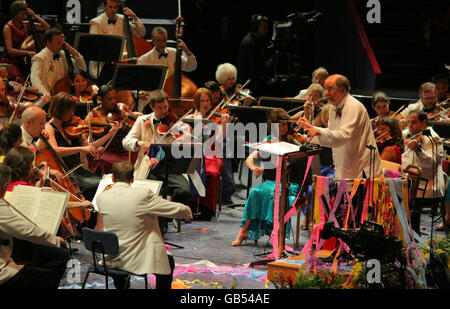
277 148
43 207
50 210
154 185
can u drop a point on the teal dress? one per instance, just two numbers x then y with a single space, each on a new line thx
260 204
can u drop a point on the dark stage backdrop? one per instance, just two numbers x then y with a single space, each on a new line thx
214 29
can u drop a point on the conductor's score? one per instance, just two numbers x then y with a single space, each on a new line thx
247 298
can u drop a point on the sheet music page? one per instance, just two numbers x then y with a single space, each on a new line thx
277 148
50 210
153 185
25 199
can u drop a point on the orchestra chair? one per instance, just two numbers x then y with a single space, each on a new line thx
100 242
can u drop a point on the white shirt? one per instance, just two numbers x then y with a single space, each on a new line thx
46 71
426 158
188 63
412 107
348 137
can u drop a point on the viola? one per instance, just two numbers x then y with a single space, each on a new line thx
166 124
295 136
217 116
77 126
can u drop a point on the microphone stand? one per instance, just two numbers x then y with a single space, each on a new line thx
371 171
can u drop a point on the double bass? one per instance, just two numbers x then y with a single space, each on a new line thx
64 84
179 86
136 47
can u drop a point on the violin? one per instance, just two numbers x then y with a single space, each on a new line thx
122 113
217 116
30 94
168 123
77 126
88 94
295 136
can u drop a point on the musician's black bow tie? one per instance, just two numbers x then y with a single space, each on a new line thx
34 140
111 21
162 55
156 121
56 56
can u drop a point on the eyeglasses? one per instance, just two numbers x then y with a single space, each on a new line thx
330 89
429 98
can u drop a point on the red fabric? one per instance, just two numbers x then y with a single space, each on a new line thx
16 65
364 39
399 154
12 184
445 166
214 167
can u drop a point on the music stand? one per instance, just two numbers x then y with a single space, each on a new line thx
139 77
100 47
175 165
287 104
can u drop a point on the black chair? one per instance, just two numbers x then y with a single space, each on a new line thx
104 243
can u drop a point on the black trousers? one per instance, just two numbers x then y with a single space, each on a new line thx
163 282
31 277
48 265
419 204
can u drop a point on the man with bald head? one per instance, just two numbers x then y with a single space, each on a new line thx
349 132
33 124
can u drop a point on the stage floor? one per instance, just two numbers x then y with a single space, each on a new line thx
207 259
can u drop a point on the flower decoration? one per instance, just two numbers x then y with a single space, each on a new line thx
52 66
147 123
339 111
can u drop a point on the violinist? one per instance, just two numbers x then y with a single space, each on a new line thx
389 140
15 32
214 87
82 87
110 22
103 114
213 164
318 77
257 219
428 103
380 104
424 149
50 64
144 133
441 83
61 111
226 75
10 137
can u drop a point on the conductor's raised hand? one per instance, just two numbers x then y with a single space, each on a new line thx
308 127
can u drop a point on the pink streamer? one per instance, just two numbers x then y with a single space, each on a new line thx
276 208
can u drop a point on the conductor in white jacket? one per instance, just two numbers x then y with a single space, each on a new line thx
349 133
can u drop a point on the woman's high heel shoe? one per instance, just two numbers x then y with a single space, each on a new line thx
241 236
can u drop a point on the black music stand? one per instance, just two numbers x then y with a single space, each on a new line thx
285 103
99 47
175 166
139 77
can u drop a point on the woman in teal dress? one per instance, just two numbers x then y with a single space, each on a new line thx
257 219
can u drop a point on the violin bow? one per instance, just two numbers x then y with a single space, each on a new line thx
56 184
224 102
19 98
72 170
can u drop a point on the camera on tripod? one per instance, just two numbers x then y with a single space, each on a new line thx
290 39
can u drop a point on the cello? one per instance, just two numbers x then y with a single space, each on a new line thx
54 161
179 86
